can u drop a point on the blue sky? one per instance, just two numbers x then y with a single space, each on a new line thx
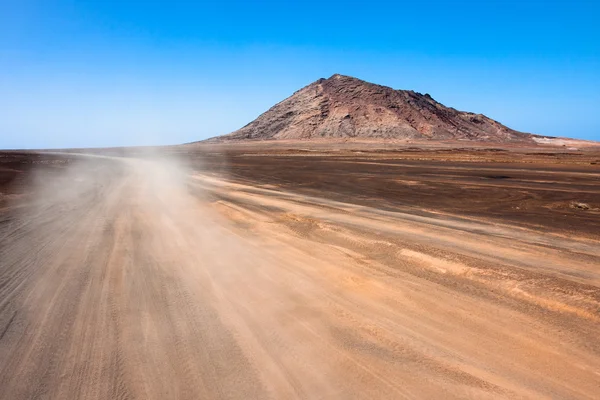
104 73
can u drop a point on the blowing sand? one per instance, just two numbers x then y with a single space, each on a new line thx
125 278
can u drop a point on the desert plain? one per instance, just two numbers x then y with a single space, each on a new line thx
298 270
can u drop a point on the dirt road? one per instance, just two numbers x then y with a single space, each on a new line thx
137 279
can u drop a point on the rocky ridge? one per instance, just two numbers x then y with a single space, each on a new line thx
344 107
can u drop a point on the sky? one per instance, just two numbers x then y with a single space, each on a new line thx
114 73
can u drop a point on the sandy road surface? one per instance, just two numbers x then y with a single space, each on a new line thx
134 280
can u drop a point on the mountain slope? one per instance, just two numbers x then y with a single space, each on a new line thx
346 107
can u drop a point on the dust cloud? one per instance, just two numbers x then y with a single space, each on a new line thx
143 276
118 269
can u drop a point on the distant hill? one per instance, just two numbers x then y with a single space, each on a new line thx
346 107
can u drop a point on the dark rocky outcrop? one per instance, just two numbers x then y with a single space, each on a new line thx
346 107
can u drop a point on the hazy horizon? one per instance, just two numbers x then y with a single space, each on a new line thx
116 74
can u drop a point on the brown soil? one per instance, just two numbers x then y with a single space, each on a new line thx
266 271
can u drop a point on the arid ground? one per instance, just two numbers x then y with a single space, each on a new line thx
260 271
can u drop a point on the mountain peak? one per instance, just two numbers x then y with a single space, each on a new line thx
332 78
346 107
340 76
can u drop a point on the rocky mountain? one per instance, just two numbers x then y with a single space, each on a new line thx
346 107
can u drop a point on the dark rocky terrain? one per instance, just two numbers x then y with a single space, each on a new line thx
344 107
